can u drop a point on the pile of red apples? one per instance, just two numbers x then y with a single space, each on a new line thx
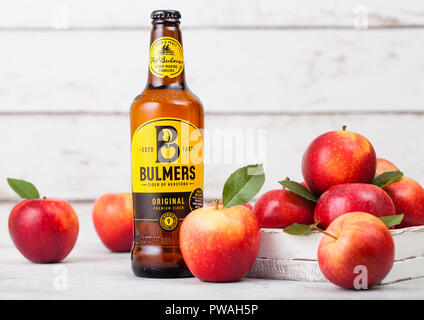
339 168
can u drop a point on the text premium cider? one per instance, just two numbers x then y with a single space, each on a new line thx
167 154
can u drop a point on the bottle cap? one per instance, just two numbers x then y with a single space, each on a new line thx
166 14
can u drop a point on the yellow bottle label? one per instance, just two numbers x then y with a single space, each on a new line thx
166 58
167 171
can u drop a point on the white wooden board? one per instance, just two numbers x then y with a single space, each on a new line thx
203 13
80 157
287 257
238 71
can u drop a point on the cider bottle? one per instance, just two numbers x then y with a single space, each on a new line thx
166 154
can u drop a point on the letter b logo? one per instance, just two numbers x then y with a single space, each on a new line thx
167 146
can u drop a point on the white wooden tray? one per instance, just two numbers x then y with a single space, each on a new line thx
286 257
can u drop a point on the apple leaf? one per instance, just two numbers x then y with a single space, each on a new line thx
24 189
242 185
299 189
298 229
390 221
386 178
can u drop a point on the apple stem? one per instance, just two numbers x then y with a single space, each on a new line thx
44 198
344 128
286 179
314 227
216 204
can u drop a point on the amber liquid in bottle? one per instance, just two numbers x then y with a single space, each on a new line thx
165 187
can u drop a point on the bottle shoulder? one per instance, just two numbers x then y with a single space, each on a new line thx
159 103
162 98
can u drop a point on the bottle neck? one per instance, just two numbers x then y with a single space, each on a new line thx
166 59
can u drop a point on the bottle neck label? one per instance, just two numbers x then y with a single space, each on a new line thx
166 58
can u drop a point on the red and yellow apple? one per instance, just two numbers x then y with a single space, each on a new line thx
281 208
408 197
362 250
44 230
384 165
338 157
220 245
350 197
112 218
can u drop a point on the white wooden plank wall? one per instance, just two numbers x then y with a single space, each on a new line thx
283 70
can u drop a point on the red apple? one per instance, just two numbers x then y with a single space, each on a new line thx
338 157
247 205
384 165
408 197
220 245
112 218
281 208
361 254
44 230
350 197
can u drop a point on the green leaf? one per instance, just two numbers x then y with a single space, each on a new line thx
298 229
24 189
299 189
390 221
386 178
242 185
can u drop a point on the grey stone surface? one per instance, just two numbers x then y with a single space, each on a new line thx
92 272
